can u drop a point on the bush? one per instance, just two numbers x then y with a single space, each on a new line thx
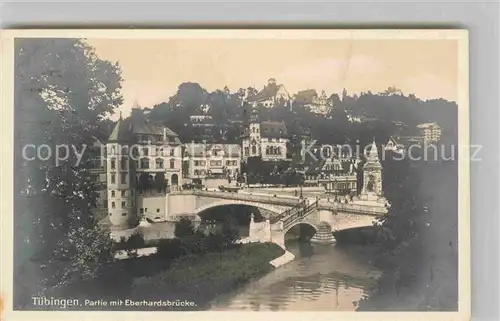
169 249
135 241
184 227
230 233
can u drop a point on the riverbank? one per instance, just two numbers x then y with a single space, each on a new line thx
200 278
194 280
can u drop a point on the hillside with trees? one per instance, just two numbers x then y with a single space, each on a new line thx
379 115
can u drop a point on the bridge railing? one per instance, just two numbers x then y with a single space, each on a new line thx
299 214
249 198
291 211
356 208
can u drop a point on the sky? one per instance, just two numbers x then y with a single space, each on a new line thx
154 68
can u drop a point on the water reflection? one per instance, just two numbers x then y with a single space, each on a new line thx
322 278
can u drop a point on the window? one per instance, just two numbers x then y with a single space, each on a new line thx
145 209
159 163
246 151
254 150
172 163
113 178
112 193
172 152
145 163
124 178
196 172
141 210
124 214
157 210
124 204
131 192
113 163
123 163
113 205
145 151
110 214
124 193
171 140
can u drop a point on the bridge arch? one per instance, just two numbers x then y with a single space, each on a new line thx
232 202
299 223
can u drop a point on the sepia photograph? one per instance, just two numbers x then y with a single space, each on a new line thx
238 170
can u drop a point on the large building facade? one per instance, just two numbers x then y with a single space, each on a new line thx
143 163
334 170
211 160
431 132
267 139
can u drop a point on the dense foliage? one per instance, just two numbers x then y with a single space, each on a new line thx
63 92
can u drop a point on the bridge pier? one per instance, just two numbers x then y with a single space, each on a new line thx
324 234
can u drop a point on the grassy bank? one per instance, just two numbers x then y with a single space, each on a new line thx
196 278
200 278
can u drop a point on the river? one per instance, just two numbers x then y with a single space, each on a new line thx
321 278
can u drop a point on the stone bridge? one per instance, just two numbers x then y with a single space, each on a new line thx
283 212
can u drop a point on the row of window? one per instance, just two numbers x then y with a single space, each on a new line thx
123 178
273 150
123 204
215 163
203 172
122 192
343 185
125 150
123 214
143 210
159 163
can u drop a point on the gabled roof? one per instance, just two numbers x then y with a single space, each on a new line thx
306 96
426 125
137 124
121 132
268 92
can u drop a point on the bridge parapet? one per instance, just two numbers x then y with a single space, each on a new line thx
249 198
353 208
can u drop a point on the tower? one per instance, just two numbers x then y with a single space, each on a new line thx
121 197
372 173
254 134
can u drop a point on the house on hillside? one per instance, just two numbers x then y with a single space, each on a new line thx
270 96
431 132
267 139
315 103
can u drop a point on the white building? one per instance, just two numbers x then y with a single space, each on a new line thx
211 160
431 132
315 103
270 96
144 162
267 140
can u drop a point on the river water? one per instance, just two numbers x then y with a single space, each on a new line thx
321 278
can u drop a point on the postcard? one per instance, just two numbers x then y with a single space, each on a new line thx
235 173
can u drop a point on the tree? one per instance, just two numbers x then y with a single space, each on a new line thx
230 232
63 93
183 228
